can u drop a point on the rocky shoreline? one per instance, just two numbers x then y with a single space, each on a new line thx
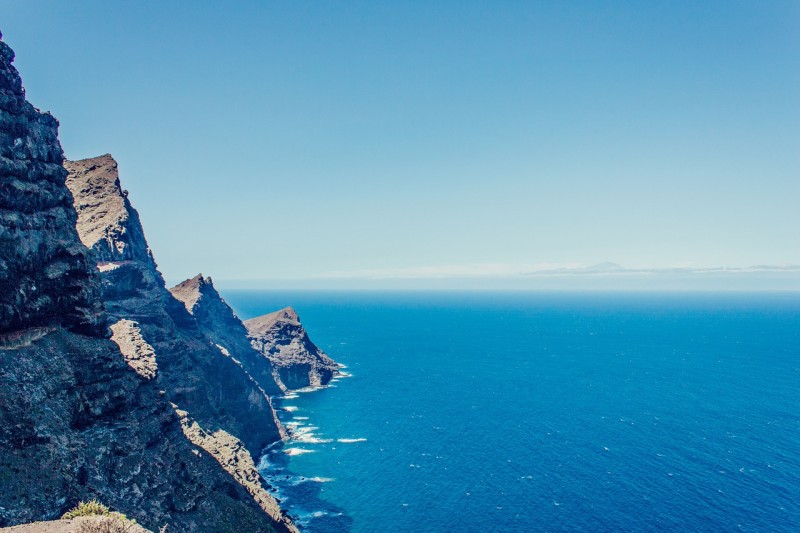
113 387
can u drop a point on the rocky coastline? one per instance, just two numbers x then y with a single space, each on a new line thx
113 387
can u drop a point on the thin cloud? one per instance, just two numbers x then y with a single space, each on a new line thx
504 270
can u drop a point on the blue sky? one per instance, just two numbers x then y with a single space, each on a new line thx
378 140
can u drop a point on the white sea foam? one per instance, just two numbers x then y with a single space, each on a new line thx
301 418
290 396
350 441
299 480
309 438
297 451
263 463
290 408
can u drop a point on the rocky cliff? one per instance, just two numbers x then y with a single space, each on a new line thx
219 323
297 362
84 416
45 277
198 373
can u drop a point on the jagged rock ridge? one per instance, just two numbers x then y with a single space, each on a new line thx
196 374
107 223
297 362
76 421
220 324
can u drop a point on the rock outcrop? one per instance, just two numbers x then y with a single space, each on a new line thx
219 323
297 362
77 419
198 376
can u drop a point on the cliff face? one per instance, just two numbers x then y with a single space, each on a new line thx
297 362
82 416
197 375
219 323
45 278
107 223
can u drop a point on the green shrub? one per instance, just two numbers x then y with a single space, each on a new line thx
90 508
104 521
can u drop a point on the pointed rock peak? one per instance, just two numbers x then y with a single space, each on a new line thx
288 313
264 323
105 165
104 159
107 223
190 292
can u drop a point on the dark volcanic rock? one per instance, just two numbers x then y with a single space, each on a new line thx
220 324
197 375
297 361
45 277
78 420
76 423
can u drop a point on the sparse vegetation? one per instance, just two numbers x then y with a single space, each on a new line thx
90 508
103 520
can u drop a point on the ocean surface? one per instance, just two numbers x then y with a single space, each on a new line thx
544 412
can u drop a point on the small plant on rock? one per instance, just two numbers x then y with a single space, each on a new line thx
99 519
90 508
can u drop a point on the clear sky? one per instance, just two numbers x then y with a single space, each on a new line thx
292 140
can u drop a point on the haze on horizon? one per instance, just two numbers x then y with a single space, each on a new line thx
437 145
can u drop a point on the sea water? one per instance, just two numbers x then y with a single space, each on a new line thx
544 412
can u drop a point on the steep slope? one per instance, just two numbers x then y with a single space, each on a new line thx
76 421
197 375
219 323
297 362
45 278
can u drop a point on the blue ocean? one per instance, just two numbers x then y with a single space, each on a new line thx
544 412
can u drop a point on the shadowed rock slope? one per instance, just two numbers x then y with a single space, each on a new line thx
198 376
219 323
297 362
76 421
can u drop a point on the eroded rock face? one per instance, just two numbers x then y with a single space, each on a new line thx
45 277
220 324
197 376
297 362
139 355
76 421
107 223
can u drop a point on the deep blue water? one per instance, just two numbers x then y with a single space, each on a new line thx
546 412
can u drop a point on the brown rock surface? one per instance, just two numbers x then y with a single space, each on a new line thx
81 524
297 362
